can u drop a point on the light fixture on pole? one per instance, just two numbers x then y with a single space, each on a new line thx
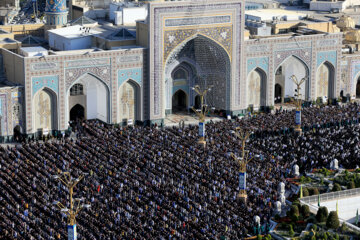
201 113
298 102
75 204
242 161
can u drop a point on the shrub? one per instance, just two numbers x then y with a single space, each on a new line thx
322 214
336 187
311 219
351 185
333 220
315 191
305 210
337 236
343 228
259 237
305 192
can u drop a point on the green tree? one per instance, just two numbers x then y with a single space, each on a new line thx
305 210
294 213
322 214
333 220
315 191
336 187
305 192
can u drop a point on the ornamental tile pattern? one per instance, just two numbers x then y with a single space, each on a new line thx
133 74
329 56
302 54
51 82
103 73
173 38
157 54
262 63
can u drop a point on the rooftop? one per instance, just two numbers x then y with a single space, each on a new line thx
76 31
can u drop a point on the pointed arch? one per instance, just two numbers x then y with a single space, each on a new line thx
325 80
213 63
292 65
179 101
256 87
45 110
192 37
95 98
129 99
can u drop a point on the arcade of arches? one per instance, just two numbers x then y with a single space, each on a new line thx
199 61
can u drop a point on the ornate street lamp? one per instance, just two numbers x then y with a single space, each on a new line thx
298 102
201 113
75 204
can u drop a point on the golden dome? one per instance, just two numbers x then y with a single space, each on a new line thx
353 36
345 22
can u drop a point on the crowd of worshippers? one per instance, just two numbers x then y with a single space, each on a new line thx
151 183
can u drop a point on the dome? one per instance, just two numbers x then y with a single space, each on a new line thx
353 36
345 22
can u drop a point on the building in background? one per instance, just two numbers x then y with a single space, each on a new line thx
145 68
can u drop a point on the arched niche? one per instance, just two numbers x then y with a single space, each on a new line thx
325 80
256 88
129 99
45 110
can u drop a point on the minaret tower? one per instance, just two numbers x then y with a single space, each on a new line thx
56 12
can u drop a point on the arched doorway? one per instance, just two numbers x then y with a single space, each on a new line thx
179 101
92 94
358 88
17 133
128 101
292 66
45 108
278 93
77 113
325 78
256 94
209 66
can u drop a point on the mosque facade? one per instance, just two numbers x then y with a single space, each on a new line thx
179 45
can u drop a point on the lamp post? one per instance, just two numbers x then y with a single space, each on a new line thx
201 112
75 204
242 161
298 102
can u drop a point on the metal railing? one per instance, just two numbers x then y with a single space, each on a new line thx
331 196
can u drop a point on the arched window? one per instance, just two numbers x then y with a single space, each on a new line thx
180 74
76 90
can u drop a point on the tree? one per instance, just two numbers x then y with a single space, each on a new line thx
333 220
343 228
315 191
305 210
351 185
336 187
291 231
305 192
294 213
322 214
